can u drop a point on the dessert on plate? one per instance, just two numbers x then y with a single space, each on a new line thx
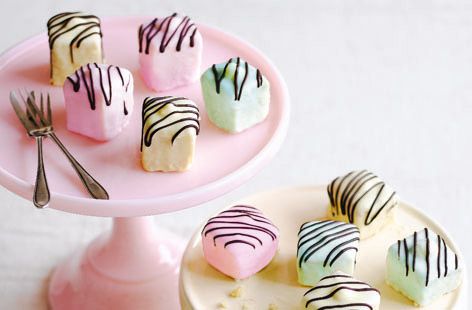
170 52
75 39
423 267
170 126
341 291
99 100
363 199
236 95
325 247
239 241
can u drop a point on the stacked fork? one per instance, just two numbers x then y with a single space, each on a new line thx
38 124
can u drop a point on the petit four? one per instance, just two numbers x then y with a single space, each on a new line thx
99 100
170 52
363 199
236 95
75 39
170 126
422 267
240 241
341 291
325 247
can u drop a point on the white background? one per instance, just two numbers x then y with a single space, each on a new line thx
383 85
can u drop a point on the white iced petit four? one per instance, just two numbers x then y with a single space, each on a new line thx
341 291
170 126
363 199
75 39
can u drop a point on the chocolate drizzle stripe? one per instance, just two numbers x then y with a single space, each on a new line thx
349 306
427 255
340 253
86 78
414 250
240 241
259 78
345 193
339 237
405 246
445 257
236 234
438 262
264 229
335 276
147 33
398 248
319 287
236 231
190 118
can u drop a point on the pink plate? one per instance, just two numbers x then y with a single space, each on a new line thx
223 161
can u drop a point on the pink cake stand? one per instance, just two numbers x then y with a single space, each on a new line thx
131 266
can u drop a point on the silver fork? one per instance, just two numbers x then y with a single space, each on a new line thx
38 124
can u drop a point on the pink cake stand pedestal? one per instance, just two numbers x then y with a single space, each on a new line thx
134 265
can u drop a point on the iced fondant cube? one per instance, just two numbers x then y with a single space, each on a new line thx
341 291
363 199
325 247
170 52
75 39
99 100
240 241
422 267
169 132
236 95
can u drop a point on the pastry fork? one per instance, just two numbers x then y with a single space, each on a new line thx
38 124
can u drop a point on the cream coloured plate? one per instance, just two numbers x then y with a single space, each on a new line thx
276 287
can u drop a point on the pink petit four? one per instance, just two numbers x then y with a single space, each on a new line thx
99 100
170 52
240 241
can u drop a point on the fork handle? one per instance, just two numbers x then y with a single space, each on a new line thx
41 195
93 187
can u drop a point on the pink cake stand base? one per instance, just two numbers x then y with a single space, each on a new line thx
132 266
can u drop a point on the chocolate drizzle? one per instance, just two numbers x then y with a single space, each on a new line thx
335 284
85 25
346 193
239 224
425 243
146 33
338 237
84 75
237 85
189 117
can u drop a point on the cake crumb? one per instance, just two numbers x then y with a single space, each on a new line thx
236 293
222 305
273 307
245 307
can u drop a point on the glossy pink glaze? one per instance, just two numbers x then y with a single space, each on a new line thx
167 70
103 121
116 163
240 241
